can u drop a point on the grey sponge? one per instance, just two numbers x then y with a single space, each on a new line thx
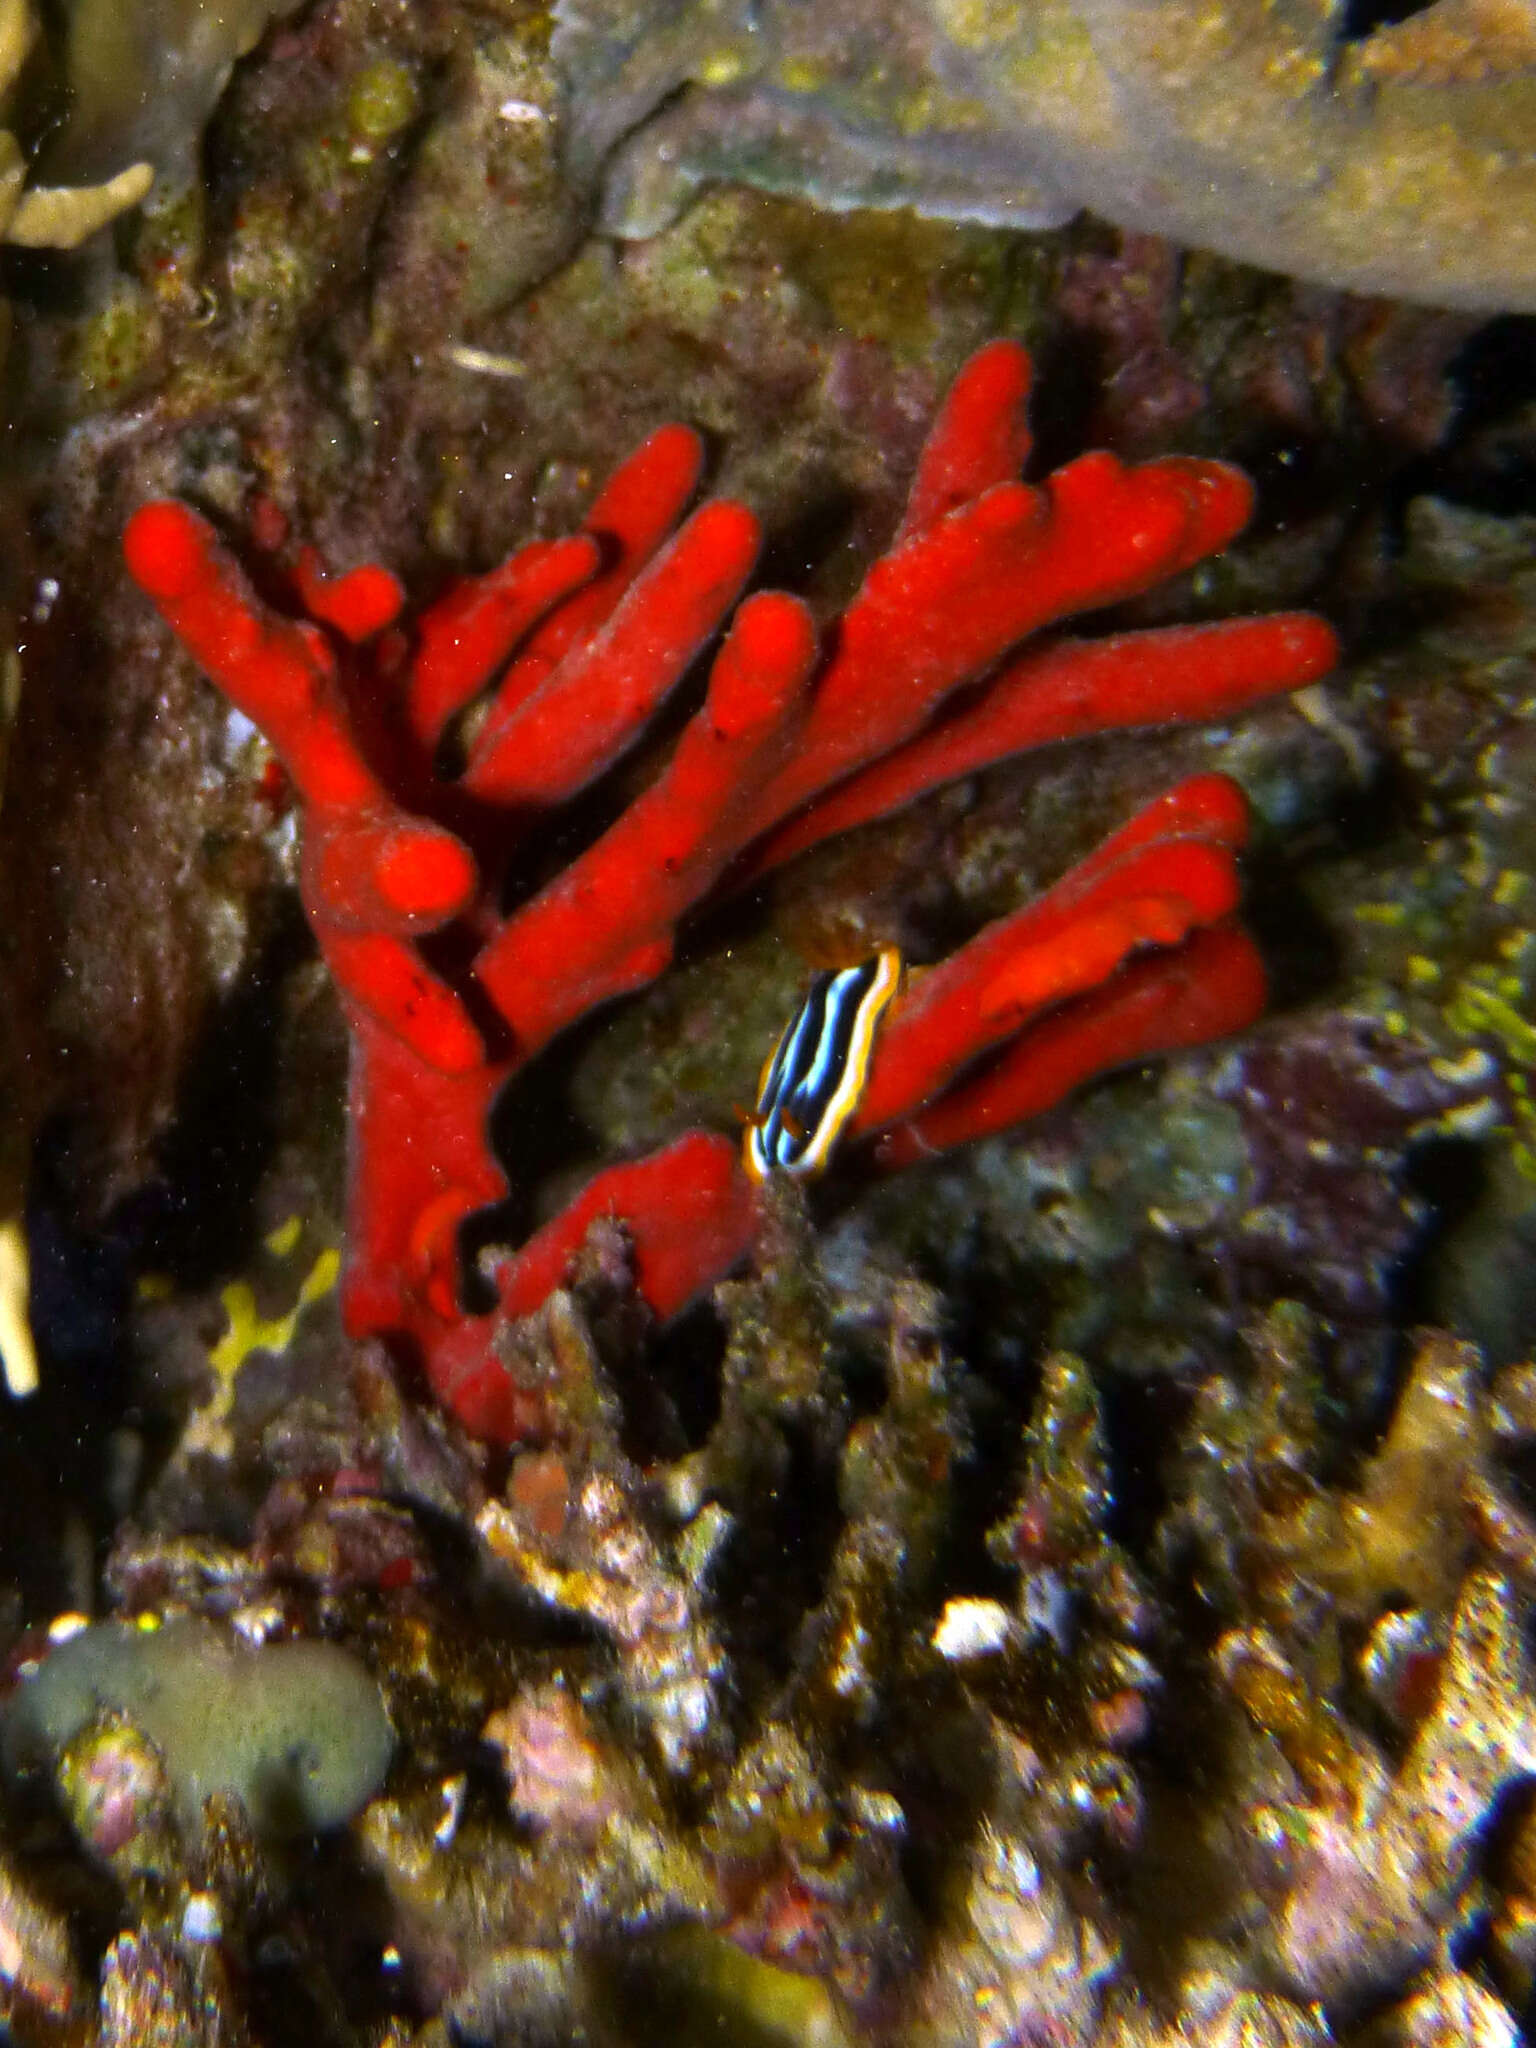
296 1731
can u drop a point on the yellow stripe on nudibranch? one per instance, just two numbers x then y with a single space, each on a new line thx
815 1076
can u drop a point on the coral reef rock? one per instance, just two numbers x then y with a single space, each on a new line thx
1397 162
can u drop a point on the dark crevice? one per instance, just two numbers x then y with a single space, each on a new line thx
195 1220
1363 17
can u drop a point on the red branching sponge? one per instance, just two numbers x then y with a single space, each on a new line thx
561 656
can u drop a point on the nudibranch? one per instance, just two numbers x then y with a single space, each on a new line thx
815 1075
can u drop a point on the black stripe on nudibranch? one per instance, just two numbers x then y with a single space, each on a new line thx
816 1073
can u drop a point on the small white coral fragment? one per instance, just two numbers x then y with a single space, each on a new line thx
971 1628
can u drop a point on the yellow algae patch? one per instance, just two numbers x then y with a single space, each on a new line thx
1478 1009
247 1330
284 1240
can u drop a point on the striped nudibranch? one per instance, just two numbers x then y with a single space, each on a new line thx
816 1073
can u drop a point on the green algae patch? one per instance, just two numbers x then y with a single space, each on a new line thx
116 350
690 1985
382 101
296 1731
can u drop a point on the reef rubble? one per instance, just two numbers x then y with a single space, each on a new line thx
1233 1782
